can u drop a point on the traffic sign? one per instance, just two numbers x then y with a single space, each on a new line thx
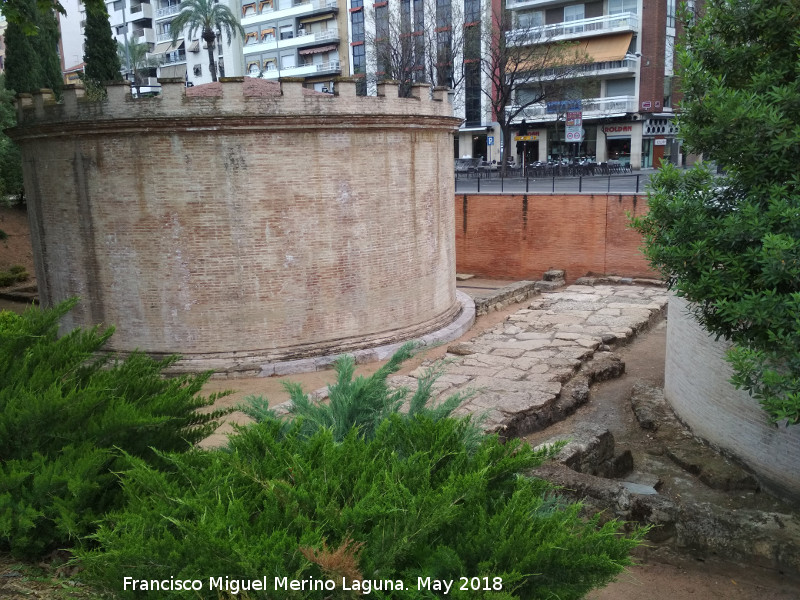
490 140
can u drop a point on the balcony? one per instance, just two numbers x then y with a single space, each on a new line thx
252 44
141 11
331 67
626 66
260 11
570 30
171 58
593 108
144 35
520 4
167 11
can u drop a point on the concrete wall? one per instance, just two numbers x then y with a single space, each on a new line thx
275 225
696 385
522 236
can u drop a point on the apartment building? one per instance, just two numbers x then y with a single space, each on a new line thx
438 48
625 108
149 21
294 38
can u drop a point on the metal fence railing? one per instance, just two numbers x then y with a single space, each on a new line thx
493 183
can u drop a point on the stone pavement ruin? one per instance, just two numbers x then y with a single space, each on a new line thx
522 371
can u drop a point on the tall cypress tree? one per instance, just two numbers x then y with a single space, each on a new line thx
102 61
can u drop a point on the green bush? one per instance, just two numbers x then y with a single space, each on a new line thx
395 496
65 409
409 503
14 275
732 246
364 402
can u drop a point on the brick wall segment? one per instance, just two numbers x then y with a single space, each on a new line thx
517 236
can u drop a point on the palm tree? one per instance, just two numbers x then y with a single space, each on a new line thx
136 58
209 17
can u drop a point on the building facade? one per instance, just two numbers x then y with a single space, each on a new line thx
436 40
624 110
148 22
294 38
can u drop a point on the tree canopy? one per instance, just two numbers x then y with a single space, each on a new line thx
731 246
10 158
32 59
208 17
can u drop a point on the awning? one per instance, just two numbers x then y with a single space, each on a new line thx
194 46
173 71
607 48
592 50
316 18
166 47
317 50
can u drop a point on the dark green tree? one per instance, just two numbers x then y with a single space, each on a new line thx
102 61
10 158
209 17
32 59
732 247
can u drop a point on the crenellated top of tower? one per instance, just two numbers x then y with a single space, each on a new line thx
230 97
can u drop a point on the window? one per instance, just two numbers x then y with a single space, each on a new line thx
405 16
616 7
472 94
443 13
671 13
359 60
287 32
119 4
357 20
251 35
419 14
198 70
573 13
288 61
472 11
528 20
356 3
382 21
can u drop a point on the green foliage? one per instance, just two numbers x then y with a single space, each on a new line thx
10 157
32 61
732 247
408 502
207 17
13 275
64 409
135 56
363 402
102 62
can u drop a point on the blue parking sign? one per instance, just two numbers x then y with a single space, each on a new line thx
490 140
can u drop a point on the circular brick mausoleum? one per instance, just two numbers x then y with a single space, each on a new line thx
244 222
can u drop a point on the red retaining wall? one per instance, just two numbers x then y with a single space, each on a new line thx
522 236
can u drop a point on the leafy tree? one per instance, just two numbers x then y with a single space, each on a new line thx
10 157
102 62
525 68
32 61
142 63
209 17
732 247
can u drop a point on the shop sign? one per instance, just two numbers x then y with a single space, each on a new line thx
660 142
617 128
527 138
